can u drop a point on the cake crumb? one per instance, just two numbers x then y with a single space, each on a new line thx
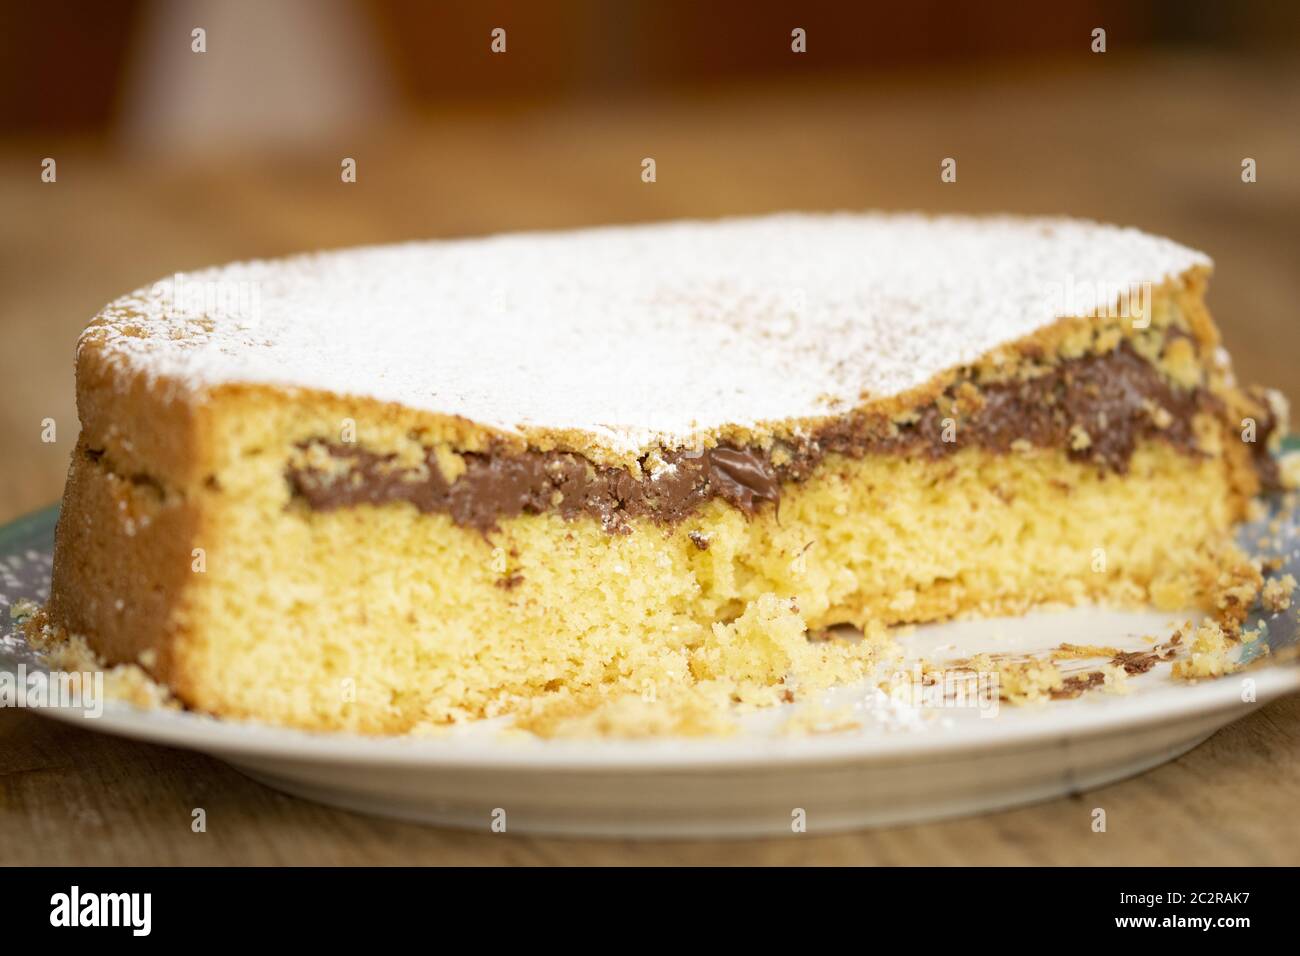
1077 651
1211 654
1021 680
128 683
1276 593
1116 679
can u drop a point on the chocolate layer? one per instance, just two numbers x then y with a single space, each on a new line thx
1099 408
505 484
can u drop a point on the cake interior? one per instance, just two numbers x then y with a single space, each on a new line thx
323 619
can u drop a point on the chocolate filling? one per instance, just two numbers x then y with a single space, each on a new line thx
1097 407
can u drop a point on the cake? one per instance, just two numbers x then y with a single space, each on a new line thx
393 487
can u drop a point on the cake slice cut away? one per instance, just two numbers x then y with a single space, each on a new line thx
390 487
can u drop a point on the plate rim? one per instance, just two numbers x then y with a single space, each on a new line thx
250 739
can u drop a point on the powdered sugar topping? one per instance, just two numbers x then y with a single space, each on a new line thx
638 335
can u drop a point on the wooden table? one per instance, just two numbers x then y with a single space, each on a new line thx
1157 143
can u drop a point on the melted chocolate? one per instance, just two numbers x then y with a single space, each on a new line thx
506 484
1118 399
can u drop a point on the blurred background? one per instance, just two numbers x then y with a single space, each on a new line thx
175 149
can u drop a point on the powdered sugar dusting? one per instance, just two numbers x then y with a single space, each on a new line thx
638 335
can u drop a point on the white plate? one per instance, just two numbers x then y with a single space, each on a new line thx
901 764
